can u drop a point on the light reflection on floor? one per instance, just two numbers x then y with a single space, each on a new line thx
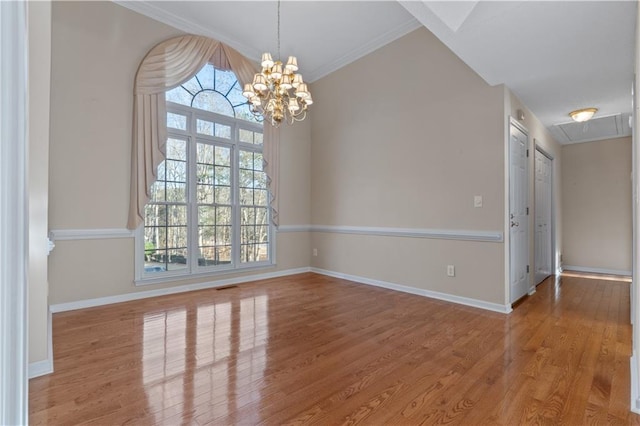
602 277
197 368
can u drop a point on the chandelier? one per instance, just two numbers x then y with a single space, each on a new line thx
278 93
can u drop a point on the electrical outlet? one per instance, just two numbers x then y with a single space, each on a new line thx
451 271
315 251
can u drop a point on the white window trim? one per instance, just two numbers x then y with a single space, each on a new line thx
193 270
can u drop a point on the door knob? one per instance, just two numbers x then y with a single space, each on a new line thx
514 224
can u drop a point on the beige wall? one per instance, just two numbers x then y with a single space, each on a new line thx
404 138
596 190
96 48
39 23
540 136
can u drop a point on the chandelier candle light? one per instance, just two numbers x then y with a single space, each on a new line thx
278 92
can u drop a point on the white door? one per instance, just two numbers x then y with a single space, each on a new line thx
519 229
543 225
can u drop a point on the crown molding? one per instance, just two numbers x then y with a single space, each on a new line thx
365 49
149 10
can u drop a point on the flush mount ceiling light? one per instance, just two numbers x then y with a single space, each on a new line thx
278 92
583 114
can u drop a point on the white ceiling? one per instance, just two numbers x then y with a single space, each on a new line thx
556 56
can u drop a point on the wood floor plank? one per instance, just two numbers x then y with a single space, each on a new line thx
310 349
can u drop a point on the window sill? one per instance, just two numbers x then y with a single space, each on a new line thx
189 276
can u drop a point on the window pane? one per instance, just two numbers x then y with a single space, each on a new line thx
245 135
176 192
207 236
204 153
263 253
223 175
176 149
205 76
247 216
246 160
176 171
257 139
204 174
259 180
206 215
246 178
177 216
155 215
204 127
165 237
192 86
157 191
223 131
224 80
244 113
235 96
214 102
179 96
176 259
262 232
207 256
223 235
223 195
262 216
223 156
176 121
258 161
224 254
248 234
253 253
246 197
223 215
260 197
176 236
204 194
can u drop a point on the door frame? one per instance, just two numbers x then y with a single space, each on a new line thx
538 147
514 122
14 241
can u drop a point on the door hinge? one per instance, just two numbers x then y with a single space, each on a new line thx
527 211
527 269
527 153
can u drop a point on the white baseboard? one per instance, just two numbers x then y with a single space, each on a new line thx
635 398
100 301
495 307
621 272
40 368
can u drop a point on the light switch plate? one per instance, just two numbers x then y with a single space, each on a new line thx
477 201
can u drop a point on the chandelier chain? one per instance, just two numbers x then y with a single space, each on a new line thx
278 29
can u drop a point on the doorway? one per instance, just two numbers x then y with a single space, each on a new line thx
543 220
518 211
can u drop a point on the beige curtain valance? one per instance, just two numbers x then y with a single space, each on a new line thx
168 65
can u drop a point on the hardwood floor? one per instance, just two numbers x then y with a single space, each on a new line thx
319 350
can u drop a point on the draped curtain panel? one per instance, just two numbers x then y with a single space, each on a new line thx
166 66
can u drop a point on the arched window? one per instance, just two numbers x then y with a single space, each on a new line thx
213 90
209 208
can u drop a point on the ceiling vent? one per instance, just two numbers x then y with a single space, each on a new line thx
609 127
